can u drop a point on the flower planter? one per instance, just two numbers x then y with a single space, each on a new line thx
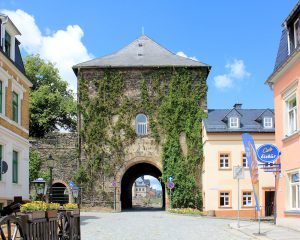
35 215
73 211
51 213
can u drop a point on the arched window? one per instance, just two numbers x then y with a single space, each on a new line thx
141 124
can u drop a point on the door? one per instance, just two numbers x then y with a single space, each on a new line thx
269 203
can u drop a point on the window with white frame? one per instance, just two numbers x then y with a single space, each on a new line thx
234 122
296 33
224 160
15 167
15 107
268 122
294 191
141 124
224 199
244 160
291 115
247 199
7 43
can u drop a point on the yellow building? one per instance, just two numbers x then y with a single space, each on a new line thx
14 115
224 149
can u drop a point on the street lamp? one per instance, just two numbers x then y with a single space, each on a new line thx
50 163
75 193
40 187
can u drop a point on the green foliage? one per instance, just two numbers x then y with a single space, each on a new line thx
179 112
171 99
52 105
81 175
34 165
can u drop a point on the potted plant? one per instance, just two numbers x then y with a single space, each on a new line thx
72 207
34 210
52 209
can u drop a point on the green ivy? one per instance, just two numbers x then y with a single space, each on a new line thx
171 98
34 165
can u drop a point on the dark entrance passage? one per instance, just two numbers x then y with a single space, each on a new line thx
59 193
269 202
129 178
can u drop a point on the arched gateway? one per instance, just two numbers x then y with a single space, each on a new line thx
131 175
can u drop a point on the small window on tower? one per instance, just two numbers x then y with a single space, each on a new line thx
141 124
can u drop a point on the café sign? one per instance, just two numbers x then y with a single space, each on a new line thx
267 153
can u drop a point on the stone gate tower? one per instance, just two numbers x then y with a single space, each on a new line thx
120 135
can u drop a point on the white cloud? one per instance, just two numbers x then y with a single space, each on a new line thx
63 47
223 81
237 71
182 54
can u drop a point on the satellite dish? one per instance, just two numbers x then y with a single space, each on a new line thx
3 167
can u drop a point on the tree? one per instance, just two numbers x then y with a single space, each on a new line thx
52 106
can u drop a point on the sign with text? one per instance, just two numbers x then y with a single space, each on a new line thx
267 153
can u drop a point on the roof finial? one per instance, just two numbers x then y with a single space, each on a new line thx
143 30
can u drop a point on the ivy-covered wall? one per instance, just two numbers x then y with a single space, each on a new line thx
173 99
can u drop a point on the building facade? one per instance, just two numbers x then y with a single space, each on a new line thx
14 116
224 149
285 82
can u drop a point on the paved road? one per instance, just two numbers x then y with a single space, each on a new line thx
154 225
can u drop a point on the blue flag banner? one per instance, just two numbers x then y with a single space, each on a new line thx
251 156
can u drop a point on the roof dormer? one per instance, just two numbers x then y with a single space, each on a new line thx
9 44
8 33
266 119
232 118
292 26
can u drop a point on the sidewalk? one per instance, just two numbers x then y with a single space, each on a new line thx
268 231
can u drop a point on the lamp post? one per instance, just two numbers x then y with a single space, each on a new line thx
50 163
75 193
40 187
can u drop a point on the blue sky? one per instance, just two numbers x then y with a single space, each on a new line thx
239 39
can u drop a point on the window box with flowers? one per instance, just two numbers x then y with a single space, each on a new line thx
52 209
71 207
34 210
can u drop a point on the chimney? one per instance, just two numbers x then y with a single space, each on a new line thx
237 106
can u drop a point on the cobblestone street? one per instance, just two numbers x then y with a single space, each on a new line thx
154 225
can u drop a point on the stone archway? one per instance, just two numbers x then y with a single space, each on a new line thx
59 190
131 175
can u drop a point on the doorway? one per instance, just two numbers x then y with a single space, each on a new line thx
269 203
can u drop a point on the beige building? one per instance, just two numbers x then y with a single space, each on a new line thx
14 116
224 149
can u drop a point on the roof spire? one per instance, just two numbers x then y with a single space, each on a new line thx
143 30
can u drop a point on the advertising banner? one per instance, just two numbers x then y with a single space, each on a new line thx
251 156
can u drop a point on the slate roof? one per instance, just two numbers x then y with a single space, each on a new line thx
249 121
282 53
142 52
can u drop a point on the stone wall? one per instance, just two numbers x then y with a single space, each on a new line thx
63 148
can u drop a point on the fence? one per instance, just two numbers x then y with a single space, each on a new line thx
63 225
